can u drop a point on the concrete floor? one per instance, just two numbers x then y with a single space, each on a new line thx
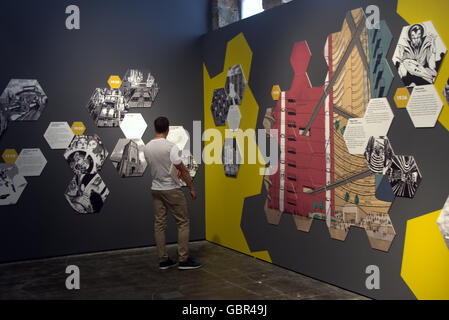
134 274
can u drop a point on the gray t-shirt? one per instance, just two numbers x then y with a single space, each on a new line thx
161 155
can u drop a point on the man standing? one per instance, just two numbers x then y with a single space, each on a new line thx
163 156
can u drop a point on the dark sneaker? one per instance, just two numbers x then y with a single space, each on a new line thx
188 265
167 264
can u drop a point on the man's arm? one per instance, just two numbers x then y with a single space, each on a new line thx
186 177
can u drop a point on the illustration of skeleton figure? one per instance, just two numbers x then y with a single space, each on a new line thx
235 85
379 154
11 184
86 193
418 54
404 176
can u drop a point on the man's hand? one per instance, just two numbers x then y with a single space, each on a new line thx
193 194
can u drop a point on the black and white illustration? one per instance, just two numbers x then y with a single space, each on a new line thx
231 157
191 165
23 99
443 222
220 107
404 176
139 88
86 154
107 107
128 157
419 54
446 91
3 121
87 193
235 85
12 184
379 154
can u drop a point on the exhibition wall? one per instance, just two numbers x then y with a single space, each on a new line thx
353 214
162 37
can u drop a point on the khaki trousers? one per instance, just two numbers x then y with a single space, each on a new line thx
175 202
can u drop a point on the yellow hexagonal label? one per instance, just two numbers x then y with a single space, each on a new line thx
401 98
10 155
276 92
114 82
78 128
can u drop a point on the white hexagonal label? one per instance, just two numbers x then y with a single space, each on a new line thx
419 54
378 117
234 118
86 193
58 135
355 136
424 106
128 157
443 222
12 184
23 99
86 154
133 126
179 136
31 162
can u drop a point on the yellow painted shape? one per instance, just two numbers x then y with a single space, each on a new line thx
114 82
10 155
416 11
425 263
401 98
225 195
276 92
78 128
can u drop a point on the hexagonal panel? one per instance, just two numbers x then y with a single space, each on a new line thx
276 92
220 107
404 176
179 136
128 158
446 91
231 157
12 184
419 54
107 107
9 155
235 84
234 118
139 88
191 165
378 117
424 106
114 82
58 135
23 99
379 154
31 162
401 98
443 222
133 126
78 128
355 136
3 121
86 154
86 193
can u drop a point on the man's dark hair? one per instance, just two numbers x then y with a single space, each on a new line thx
161 124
